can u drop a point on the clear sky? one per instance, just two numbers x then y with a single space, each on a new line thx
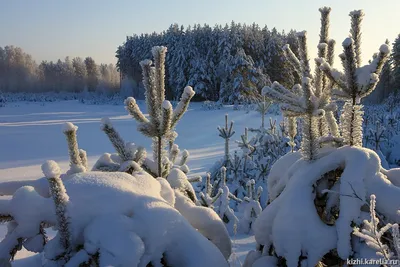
52 29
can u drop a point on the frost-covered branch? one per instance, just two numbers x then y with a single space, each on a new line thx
74 156
372 235
52 172
116 140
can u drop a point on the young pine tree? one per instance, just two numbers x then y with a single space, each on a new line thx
311 99
162 118
356 81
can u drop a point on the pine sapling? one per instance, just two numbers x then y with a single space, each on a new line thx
162 118
311 99
224 211
356 82
76 165
226 133
206 200
262 108
373 236
252 207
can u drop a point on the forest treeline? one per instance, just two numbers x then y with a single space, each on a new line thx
228 63
20 73
231 62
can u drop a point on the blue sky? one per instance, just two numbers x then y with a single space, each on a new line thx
52 29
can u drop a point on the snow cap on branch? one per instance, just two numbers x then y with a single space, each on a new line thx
69 127
166 104
347 42
385 49
51 169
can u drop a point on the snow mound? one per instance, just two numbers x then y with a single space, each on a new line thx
124 219
305 233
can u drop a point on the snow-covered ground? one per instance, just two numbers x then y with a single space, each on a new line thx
31 133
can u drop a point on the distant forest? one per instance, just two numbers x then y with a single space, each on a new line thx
228 63
20 73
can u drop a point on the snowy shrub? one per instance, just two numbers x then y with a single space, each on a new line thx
317 195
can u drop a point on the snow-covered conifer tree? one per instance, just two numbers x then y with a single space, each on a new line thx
356 81
251 206
224 211
163 118
311 99
262 108
226 133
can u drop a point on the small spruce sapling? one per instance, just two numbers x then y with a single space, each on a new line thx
262 108
226 133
